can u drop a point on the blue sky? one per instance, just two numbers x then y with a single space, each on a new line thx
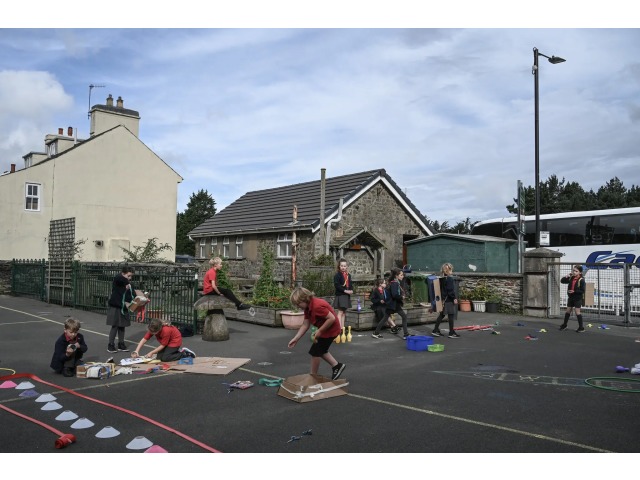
448 112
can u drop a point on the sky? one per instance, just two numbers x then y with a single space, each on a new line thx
237 105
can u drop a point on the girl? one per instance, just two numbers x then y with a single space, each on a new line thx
575 291
379 298
397 299
450 302
344 289
118 313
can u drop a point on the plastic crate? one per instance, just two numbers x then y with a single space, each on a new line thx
436 347
419 343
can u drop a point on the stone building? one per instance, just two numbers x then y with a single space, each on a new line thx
363 217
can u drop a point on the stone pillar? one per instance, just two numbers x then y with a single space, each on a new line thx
535 290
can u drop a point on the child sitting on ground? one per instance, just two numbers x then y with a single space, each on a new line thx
69 348
170 340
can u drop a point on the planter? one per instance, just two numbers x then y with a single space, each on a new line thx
292 320
154 313
492 307
266 316
479 305
464 305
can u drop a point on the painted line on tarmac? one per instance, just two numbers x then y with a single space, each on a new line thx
461 419
521 378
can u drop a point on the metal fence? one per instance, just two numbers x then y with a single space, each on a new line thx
612 293
172 289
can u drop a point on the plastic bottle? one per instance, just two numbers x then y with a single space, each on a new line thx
359 305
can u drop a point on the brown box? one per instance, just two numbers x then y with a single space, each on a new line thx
438 295
103 370
308 387
589 294
138 302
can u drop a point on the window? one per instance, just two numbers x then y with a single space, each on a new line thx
214 246
52 149
32 197
225 247
203 243
239 247
285 241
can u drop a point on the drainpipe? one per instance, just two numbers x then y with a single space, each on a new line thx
334 220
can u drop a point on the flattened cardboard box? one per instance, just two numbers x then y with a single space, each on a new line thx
308 387
106 369
138 302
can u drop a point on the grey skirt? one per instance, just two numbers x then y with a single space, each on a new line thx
342 302
116 318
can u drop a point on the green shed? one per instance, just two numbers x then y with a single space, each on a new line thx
467 253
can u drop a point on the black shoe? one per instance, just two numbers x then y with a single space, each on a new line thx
111 348
187 353
580 330
395 329
68 372
436 333
454 335
337 371
563 327
376 335
243 306
123 347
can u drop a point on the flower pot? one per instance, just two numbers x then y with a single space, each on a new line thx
492 307
479 305
464 305
292 320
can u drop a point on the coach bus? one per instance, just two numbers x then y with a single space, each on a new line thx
608 236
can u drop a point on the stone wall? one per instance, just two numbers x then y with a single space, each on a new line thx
5 277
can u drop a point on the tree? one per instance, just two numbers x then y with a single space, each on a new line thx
201 207
148 253
612 195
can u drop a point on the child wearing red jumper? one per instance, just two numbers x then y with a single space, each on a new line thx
210 287
319 313
170 340
575 293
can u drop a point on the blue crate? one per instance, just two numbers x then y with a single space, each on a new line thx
419 343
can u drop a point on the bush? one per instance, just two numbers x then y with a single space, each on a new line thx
267 292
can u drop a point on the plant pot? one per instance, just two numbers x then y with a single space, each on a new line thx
479 305
492 307
292 320
464 305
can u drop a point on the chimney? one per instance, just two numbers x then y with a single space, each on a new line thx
61 131
13 168
70 132
109 101
119 103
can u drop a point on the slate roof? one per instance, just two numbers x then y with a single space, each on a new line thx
272 209
460 236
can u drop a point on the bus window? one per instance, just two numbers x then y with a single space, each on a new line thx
566 231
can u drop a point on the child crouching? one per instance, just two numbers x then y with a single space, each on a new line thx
170 340
69 348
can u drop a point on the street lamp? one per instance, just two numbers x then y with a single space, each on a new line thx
534 71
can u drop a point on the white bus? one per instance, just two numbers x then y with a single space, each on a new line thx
596 236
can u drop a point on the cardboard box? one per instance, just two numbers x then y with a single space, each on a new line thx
95 370
307 388
589 294
438 296
139 301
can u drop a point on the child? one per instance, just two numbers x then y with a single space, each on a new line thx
397 299
170 340
575 291
209 286
379 298
317 312
344 289
450 302
69 348
118 313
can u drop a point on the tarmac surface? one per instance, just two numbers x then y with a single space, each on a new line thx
487 392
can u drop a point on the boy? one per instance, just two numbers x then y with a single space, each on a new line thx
319 313
170 340
210 287
69 348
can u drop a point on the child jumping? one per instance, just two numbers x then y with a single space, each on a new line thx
69 348
170 340
319 313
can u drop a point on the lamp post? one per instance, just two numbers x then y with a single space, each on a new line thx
534 71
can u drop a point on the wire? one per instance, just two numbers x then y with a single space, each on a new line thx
617 379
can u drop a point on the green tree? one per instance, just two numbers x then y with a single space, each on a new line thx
612 194
148 253
201 207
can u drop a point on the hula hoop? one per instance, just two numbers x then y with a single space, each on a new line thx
617 379
9 370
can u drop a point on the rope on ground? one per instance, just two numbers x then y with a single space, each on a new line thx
589 381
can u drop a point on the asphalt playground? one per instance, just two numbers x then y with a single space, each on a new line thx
490 391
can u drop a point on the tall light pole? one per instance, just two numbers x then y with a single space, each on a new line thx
534 71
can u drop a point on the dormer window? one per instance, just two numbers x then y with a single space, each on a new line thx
52 149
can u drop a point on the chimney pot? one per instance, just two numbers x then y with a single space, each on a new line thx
70 132
119 102
110 101
61 131
13 168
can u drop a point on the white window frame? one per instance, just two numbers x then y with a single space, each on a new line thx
239 252
203 244
214 246
284 245
225 247
29 196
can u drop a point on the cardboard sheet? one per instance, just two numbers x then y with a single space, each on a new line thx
307 388
209 365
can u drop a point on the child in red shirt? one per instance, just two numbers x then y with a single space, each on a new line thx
210 287
170 340
319 313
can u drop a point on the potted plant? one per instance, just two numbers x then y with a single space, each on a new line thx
464 302
493 302
292 319
479 296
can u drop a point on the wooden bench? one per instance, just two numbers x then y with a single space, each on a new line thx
215 323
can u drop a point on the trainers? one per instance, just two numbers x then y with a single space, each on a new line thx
111 348
436 333
244 306
563 327
454 335
68 372
376 335
337 371
187 352
580 330
123 347
395 329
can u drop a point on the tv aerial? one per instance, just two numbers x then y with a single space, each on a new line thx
91 87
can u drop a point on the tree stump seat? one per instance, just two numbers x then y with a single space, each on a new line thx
215 323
